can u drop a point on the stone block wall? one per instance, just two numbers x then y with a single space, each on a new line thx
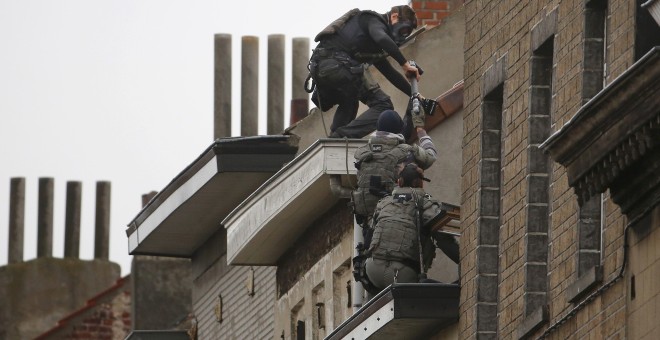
503 41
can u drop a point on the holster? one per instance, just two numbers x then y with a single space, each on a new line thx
360 270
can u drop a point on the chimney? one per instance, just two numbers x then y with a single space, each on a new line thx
249 86
148 197
45 218
275 99
222 83
102 232
72 219
16 219
299 97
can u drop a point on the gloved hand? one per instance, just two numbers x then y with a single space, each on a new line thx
418 118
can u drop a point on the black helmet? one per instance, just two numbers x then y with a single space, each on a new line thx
412 176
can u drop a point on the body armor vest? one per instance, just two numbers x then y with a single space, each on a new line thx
349 34
395 234
377 164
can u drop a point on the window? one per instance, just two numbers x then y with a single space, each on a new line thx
490 198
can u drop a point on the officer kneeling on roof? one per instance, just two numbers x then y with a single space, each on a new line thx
394 253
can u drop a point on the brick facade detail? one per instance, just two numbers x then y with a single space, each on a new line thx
432 12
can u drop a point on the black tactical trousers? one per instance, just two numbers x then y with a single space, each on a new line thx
346 124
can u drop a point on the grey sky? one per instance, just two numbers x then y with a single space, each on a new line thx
122 91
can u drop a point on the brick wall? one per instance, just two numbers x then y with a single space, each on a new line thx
105 316
326 232
432 12
110 320
503 30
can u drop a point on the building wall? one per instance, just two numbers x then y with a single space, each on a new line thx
230 302
502 45
643 301
160 284
325 289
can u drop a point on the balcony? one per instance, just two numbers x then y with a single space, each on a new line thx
270 220
403 311
183 215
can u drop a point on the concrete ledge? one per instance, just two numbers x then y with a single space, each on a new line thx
403 311
584 284
532 322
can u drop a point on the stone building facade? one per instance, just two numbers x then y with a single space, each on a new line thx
538 260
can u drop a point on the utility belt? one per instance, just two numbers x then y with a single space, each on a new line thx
408 262
335 72
361 57
327 52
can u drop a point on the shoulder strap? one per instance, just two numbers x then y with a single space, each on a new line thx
336 25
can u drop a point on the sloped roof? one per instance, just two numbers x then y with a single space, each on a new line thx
120 286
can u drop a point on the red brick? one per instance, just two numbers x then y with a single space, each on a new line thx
442 5
425 15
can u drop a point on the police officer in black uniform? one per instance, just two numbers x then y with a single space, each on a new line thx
338 66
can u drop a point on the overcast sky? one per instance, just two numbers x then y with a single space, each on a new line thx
122 91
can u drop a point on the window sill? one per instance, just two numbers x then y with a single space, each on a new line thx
532 322
584 284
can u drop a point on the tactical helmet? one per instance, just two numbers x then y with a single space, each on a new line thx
390 121
411 175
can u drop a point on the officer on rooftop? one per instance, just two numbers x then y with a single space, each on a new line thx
338 66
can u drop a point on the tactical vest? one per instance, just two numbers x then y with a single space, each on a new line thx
376 164
395 234
349 34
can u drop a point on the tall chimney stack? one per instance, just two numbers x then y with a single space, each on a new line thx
102 232
249 86
275 103
299 97
148 197
222 84
16 219
72 219
45 218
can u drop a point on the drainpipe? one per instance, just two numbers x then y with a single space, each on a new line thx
344 192
358 290
337 189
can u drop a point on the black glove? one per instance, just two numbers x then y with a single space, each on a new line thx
429 106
